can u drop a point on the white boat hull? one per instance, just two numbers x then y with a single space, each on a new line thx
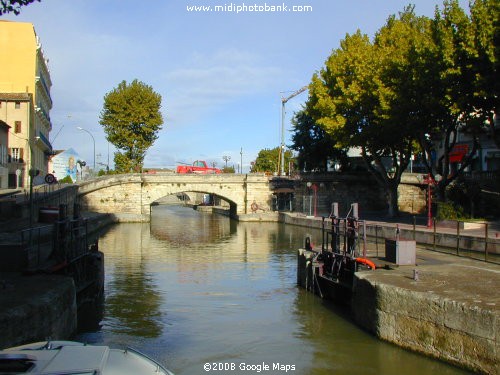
70 357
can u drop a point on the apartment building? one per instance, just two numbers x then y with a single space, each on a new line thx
486 158
25 101
4 144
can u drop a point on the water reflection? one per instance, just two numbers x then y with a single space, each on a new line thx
192 288
202 228
133 300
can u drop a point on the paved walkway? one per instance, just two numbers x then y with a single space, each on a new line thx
465 280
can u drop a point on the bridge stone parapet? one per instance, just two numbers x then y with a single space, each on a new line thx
130 196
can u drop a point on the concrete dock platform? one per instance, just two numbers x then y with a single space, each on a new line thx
445 306
450 311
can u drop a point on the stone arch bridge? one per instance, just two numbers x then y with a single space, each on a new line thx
130 196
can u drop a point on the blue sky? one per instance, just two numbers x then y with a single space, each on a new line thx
221 75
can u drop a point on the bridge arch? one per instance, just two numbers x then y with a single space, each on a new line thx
232 206
130 196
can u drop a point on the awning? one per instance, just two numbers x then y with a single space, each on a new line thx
458 152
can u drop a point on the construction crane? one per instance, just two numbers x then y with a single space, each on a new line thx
281 154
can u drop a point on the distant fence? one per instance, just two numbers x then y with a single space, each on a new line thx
479 241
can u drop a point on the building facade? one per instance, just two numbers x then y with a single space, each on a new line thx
4 144
25 101
487 155
66 163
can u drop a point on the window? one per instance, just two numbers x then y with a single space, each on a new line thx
3 154
17 126
18 105
16 155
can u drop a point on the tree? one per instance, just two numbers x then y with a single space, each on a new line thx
315 147
14 6
267 161
485 24
228 169
462 86
354 98
131 118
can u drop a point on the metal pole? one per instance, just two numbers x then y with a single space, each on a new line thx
315 188
434 239
486 242
429 202
364 239
281 159
414 227
93 140
323 234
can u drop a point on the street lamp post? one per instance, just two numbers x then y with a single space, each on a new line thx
314 187
93 140
226 159
429 181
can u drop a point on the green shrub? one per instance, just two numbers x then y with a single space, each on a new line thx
449 211
66 180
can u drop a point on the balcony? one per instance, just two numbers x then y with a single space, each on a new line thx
46 90
42 113
46 146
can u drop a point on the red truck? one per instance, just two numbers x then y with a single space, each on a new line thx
199 166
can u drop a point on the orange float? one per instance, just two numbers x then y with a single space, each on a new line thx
366 262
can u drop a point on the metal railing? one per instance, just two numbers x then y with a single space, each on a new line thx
48 246
480 244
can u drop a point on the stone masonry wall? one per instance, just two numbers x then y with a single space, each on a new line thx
258 192
52 313
445 329
124 201
363 189
129 197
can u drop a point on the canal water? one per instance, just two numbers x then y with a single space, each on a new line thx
201 292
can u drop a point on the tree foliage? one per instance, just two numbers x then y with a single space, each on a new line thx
355 97
131 119
314 145
13 6
462 86
267 161
416 86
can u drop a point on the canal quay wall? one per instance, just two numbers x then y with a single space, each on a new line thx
39 307
444 306
451 313
36 308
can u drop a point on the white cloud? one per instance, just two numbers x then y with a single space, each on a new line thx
210 81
